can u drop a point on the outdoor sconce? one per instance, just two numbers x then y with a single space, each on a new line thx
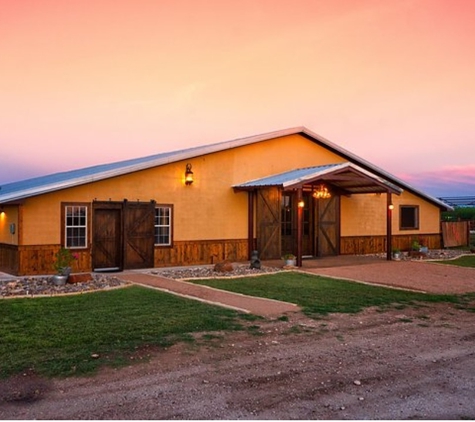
391 207
322 192
188 175
301 204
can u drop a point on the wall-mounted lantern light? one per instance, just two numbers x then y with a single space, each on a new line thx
301 204
188 175
391 206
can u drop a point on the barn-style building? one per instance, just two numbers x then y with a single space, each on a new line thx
289 191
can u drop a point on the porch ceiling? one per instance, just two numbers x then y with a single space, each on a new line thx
345 178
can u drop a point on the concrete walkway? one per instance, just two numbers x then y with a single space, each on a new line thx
247 304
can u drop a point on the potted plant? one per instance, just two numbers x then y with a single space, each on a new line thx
289 259
396 253
62 265
415 246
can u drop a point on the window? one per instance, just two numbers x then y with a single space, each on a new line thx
286 216
409 217
163 225
75 226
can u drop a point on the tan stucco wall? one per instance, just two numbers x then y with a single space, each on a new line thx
366 214
9 215
209 209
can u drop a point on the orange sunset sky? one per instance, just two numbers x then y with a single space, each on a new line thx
85 82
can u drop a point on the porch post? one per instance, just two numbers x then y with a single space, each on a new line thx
389 219
250 223
299 227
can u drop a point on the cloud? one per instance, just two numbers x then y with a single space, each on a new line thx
448 181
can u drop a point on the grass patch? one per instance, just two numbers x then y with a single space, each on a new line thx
463 261
320 295
57 336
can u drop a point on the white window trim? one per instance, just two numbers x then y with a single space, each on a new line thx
169 225
85 226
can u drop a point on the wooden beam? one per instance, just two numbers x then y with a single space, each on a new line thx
299 227
389 223
250 223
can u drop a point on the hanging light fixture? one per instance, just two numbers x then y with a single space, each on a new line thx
188 175
321 192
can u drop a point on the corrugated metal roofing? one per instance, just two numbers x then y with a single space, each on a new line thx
286 178
355 180
23 189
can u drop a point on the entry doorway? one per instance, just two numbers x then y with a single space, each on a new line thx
320 225
288 215
123 235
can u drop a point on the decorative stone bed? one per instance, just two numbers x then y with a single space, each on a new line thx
43 286
239 270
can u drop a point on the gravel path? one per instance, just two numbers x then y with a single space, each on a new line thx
420 276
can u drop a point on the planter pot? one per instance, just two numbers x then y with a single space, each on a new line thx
397 256
290 262
424 249
60 280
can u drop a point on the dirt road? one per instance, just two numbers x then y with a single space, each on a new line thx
416 363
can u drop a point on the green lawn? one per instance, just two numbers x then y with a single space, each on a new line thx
58 335
463 261
319 295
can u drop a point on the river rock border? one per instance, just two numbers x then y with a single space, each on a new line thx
43 286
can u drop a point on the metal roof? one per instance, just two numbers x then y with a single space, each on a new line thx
23 189
459 201
347 177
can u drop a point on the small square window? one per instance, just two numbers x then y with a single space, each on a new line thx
409 217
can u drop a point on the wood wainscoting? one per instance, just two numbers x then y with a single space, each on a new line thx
39 259
9 261
201 252
361 245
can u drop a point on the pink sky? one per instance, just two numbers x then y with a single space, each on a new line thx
95 81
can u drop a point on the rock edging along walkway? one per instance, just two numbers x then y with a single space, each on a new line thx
247 304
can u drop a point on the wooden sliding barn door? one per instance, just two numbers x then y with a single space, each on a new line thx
139 234
123 235
268 223
107 236
328 226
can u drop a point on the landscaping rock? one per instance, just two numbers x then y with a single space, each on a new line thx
224 267
43 286
80 278
239 270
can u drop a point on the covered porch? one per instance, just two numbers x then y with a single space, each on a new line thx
298 211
